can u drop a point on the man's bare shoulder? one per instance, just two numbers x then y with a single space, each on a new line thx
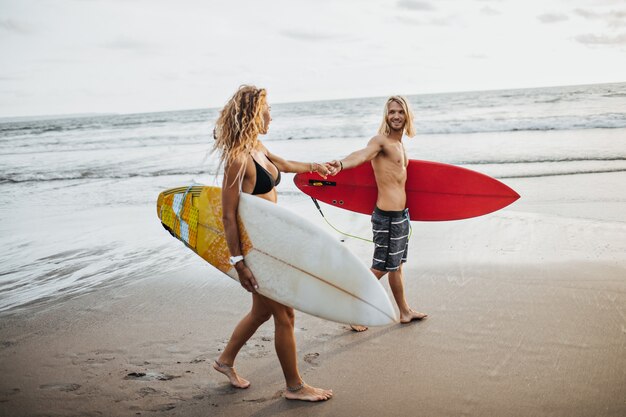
378 140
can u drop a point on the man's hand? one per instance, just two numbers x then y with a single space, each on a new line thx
246 278
333 167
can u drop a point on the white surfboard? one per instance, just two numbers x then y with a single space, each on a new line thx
294 261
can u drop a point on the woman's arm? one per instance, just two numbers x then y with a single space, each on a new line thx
295 166
230 204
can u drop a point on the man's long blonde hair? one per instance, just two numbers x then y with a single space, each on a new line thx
238 126
409 127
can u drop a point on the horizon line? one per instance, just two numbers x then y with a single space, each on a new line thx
5 119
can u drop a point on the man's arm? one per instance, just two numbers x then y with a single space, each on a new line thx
356 158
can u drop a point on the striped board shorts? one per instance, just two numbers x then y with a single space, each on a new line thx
391 238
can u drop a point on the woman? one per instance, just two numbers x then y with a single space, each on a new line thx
250 168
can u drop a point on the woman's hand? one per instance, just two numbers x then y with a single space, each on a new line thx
321 169
246 278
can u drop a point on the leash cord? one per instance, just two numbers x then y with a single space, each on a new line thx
348 234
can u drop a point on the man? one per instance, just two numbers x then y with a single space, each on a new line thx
390 219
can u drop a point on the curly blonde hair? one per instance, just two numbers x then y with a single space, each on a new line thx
238 126
409 127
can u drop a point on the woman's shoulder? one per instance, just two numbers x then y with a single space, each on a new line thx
238 161
261 147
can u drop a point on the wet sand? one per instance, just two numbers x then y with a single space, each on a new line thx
527 317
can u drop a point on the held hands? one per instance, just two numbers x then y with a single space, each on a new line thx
334 167
322 169
246 278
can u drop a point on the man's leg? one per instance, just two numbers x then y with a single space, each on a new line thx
380 233
396 283
378 274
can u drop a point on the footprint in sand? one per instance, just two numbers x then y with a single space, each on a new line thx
164 407
7 344
60 387
100 360
146 391
6 394
259 354
312 358
324 337
276 395
150 376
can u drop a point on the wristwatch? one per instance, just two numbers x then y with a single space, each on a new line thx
234 259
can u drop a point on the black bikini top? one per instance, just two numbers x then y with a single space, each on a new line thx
264 180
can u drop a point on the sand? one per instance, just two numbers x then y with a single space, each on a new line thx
527 317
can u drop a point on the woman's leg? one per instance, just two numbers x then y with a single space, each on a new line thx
285 343
259 314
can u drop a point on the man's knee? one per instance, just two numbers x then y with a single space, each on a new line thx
378 273
396 272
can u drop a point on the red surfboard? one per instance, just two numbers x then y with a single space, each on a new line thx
434 191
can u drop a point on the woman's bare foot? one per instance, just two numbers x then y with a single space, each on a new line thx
358 328
309 393
235 380
411 315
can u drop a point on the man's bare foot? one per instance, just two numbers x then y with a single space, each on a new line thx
358 328
309 393
235 380
412 315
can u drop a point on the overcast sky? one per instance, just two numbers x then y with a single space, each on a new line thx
76 56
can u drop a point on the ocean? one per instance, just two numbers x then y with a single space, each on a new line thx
78 193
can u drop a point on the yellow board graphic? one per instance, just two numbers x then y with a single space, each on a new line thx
194 215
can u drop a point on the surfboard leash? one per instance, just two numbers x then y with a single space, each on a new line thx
334 228
348 234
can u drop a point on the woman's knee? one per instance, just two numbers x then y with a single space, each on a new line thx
285 317
260 317
261 311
